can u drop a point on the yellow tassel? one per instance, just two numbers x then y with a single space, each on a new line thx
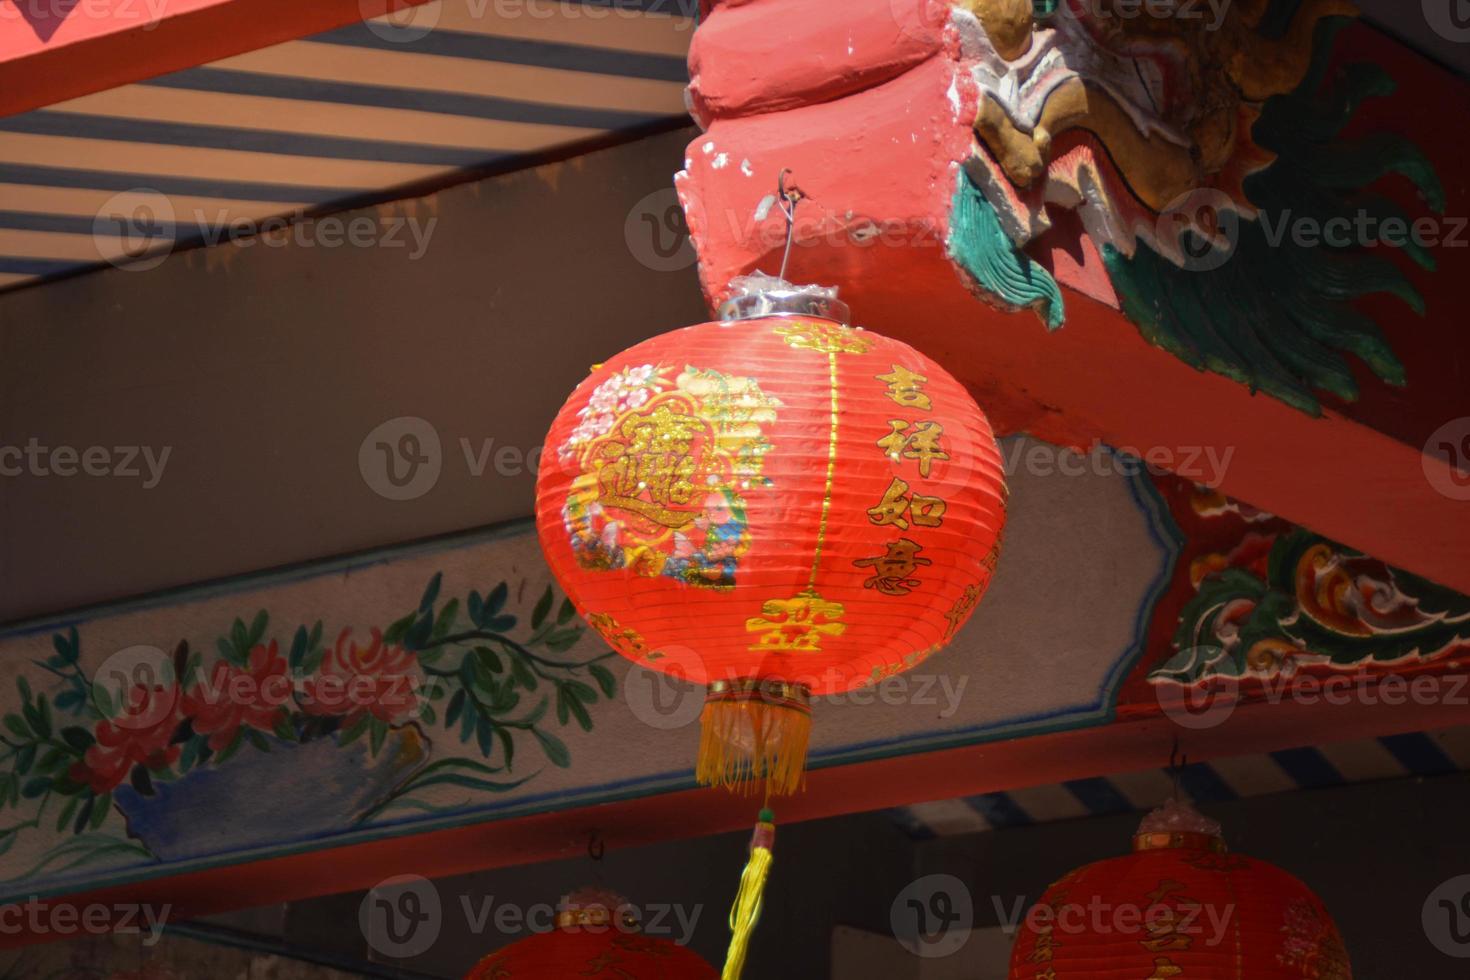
752 734
746 911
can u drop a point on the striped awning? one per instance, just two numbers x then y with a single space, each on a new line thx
305 125
1392 757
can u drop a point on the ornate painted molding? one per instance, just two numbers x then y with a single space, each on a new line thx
1261 599
1278 602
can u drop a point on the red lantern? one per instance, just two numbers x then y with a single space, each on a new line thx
1179 906
777 505
596 936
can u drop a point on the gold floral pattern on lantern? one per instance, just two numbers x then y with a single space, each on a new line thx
1312 943
1216 861
908 662
961 610
824 336
619 637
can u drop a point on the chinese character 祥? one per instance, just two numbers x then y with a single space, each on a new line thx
898 507
906 388
892 571
922 444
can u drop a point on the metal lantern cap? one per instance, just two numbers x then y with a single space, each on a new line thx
759 296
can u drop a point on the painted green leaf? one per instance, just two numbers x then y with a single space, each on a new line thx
77 737
495 601
605 679
431 593
102 807
555 748
542 610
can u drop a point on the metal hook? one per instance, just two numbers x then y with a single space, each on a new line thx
790 198
596 847
1177 764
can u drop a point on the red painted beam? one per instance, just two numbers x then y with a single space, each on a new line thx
1126 746
877 164
54 51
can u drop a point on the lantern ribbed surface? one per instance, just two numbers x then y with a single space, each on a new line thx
1179 906
780 507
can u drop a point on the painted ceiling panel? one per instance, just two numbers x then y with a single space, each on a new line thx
1413 755
312 123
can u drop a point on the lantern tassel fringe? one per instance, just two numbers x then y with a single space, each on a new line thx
746 743
746 912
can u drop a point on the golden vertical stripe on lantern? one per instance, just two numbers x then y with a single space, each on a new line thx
782 506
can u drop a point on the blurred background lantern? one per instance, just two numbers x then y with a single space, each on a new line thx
777 505
597 935
1179 906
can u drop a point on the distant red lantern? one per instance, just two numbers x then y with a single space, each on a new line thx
1179 906
596 936
777 505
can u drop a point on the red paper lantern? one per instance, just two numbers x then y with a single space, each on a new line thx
776 506
595 937
1179 906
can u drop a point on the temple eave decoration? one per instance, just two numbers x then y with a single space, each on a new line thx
1184 146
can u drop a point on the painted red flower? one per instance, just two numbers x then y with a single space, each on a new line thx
376 679
231 698
139 735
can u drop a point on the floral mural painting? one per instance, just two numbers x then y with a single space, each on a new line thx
300 732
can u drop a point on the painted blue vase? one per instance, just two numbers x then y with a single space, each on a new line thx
296 792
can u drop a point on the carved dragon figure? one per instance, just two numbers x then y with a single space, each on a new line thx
1170 102
1176 130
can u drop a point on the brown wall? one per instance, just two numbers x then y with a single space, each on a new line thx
264 369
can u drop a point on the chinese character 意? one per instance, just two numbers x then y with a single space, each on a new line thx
893 571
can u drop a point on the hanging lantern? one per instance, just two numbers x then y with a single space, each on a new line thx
1179 906
596 934
778 506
